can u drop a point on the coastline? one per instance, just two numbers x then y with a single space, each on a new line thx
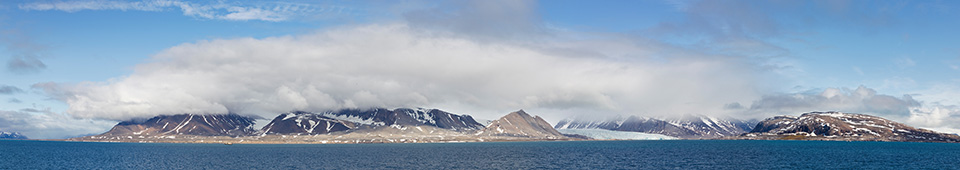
311 139
374 141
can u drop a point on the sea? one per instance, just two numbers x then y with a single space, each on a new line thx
639 154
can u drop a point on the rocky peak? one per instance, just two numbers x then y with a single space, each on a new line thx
300 122
521 124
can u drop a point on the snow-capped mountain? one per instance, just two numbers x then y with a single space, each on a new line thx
299 122
843 126
186 124
296 122
11 135
521 124
376 125
406 117
690 126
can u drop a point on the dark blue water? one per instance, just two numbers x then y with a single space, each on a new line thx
681 154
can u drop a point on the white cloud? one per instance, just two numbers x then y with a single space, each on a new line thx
859 100
936 117
219 10
396 66
929 112
944 92
44 124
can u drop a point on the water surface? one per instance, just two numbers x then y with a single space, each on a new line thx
665 154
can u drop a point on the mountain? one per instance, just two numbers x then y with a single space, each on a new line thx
376 125
843 126
186 124
299 122
521 124
11 135
689 126
406 117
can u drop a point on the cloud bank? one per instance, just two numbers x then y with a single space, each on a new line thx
395 66
905 109
44 124
861 99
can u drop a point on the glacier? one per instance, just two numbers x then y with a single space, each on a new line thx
618 135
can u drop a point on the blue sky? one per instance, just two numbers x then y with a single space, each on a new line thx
85 61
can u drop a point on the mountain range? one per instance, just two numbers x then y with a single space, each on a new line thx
842 126
688 126
373 125
187 124
11 135
406 125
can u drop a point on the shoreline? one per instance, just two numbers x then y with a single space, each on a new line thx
485 141
312 139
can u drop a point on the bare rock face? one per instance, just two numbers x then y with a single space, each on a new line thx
689 126
300 123
521 124
186 124
843 126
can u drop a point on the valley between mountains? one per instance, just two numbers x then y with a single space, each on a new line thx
419 125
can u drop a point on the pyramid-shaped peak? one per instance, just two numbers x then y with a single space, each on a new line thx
519 123
521 113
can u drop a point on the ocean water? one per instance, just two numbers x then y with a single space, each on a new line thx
661 154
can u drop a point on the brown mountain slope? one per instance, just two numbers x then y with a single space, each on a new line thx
521 124
186 124
843 126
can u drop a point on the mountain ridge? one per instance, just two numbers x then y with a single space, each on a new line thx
403 125
842 126
184 124
12 135
687 126
373 125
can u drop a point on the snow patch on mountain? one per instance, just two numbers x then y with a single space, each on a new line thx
11 135
689 126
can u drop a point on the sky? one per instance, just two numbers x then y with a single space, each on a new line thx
75 68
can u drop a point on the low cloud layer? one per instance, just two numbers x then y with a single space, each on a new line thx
44 124
865 100
861 99
395 66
